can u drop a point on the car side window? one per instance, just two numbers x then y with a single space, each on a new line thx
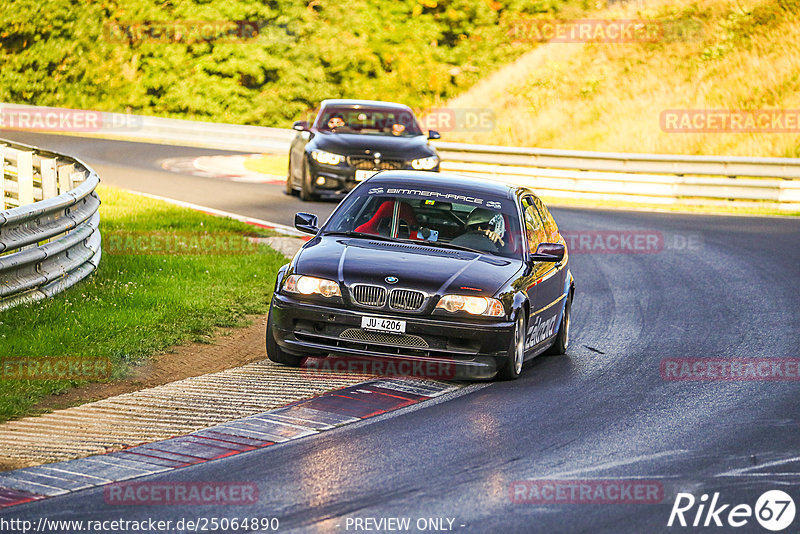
550 226
534 227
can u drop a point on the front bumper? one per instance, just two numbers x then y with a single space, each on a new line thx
339 179
460 349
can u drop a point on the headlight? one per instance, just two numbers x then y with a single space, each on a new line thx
474 305
328 158
425 164
309 285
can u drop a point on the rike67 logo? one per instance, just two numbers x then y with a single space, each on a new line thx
774 510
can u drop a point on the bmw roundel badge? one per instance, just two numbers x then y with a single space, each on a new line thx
391 279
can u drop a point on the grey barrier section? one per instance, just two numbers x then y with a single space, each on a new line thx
51 244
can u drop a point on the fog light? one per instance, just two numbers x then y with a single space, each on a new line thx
321 180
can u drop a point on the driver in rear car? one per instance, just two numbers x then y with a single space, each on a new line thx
485 230
337 121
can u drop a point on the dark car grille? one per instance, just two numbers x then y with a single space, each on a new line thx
375 296
368 163
368 295
400 340
406 299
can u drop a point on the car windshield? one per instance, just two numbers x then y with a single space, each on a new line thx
368 121
436 217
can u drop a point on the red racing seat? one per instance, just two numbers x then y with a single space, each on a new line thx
384 213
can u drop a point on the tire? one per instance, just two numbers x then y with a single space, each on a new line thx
516 351
562 338
289 186
275 353
306 193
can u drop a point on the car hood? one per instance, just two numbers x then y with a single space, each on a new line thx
389 146
432 270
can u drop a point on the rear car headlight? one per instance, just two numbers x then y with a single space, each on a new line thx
425 164
328 158
310 285
473 305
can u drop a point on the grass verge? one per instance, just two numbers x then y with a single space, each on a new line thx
722 55
139 302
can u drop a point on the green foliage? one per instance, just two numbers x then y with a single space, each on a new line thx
82 54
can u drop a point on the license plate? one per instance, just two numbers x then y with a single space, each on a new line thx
363 175
379 324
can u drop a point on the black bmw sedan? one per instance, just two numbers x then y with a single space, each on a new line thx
349 141
427 267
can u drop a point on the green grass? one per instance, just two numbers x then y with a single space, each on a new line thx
136 305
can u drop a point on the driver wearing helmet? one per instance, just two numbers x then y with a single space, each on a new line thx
485 230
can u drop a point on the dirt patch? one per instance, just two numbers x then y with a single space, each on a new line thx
232 347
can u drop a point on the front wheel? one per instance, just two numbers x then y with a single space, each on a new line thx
289 185
306 192
274 351
516 351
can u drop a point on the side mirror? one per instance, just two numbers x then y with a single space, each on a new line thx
552 252
306 222
433 134
300 126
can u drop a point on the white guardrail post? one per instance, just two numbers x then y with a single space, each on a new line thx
49 223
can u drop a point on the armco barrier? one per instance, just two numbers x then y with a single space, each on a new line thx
652 178
657 178
49 224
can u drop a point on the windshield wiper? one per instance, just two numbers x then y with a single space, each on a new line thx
442 244
353 233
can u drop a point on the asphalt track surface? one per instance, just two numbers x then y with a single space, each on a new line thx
721 287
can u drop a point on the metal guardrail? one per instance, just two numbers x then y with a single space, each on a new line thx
652 178
680 165
49 223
